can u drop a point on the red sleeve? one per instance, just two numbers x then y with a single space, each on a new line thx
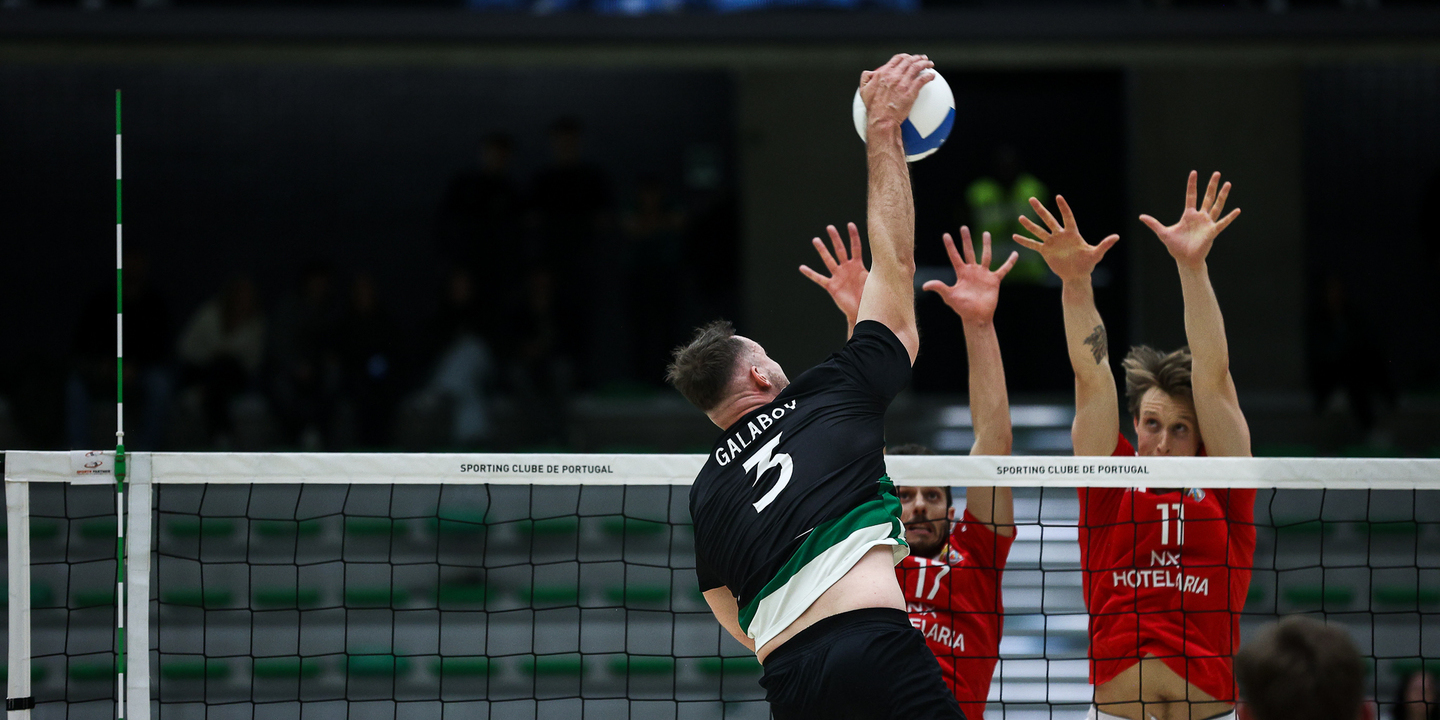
1099 505
981 547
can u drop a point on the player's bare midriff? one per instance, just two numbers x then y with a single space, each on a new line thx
869 584
1163 695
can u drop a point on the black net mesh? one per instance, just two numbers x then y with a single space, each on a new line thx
72 596
475 601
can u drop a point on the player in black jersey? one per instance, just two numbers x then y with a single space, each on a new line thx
797 528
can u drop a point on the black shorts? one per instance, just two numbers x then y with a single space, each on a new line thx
863 664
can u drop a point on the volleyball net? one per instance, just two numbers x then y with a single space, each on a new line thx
561 586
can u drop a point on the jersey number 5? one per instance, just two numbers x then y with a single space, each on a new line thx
762 461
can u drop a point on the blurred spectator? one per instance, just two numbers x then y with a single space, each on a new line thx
540 377
149 378
996 203
1348 356
1416 699
305 374
221 349
368 362
480 219
571 202
462 365
653 232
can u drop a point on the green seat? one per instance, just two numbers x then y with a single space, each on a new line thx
209 527
283 597
85 670
638 594
550 595
41 596
208 598
642 665
465 666
194 669
1389 528
715 666
457 522
632 527
37 672
1303 526
1316 596
97 528
1403 667
374 596
469 595
94 598
44 529
287 528
567 665
1256 594
378 665
549 527
285 667
1406 595
373 527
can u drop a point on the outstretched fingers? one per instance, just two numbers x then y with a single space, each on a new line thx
854 241
1004 270
1155 225
985 250
1190 191
1030 243
1105 246
969 248
1065 213
1219 206
825 255
815 277
835 240
952 252
1210 193
1045 215
1225 222
1034 229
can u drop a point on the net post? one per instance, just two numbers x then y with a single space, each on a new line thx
121 603
137 587
18 697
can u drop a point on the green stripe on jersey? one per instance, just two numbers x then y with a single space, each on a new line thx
829 552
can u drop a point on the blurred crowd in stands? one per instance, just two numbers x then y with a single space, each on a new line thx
547 289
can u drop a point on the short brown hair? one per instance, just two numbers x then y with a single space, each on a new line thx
1301 668
701 369
1146 367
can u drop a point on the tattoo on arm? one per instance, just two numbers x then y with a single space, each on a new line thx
1099 346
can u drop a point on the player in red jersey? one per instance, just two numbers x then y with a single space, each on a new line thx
951 579
1166 570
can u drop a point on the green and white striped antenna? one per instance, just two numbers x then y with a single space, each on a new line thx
120 600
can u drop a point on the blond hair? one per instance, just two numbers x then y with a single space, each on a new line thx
1146 367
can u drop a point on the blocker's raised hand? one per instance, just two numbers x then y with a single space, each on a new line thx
846 282
1189 240
1067 254
977 289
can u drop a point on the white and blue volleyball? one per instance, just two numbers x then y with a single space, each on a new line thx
930 119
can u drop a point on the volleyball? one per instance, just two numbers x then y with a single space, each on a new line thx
930 119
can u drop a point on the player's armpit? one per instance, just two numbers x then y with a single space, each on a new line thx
727 611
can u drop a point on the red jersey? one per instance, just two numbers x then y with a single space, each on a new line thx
1166 575
954 600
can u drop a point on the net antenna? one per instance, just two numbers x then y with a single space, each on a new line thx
120 515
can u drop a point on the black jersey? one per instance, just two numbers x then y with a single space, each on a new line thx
795 493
